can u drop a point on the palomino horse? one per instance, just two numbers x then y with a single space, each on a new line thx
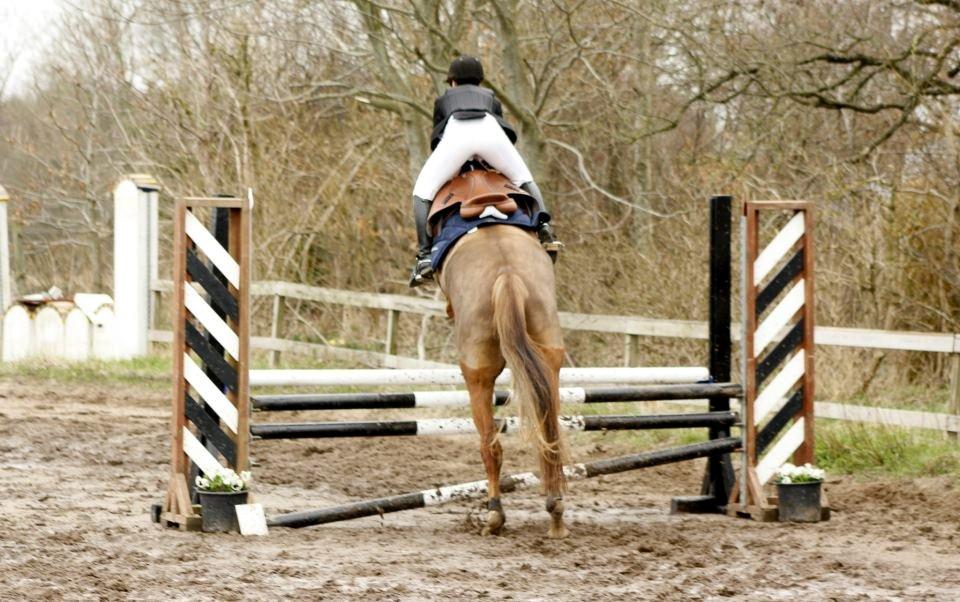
500 291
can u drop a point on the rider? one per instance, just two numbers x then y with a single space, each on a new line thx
467 121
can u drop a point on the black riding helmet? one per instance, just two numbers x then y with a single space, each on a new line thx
465 69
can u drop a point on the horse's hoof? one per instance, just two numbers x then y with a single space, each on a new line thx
557 529
495 520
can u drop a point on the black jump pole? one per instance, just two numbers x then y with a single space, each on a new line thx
663 392
410 428
433 497
381 401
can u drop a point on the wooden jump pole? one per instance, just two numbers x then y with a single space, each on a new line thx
431 399
453 376
462 426
478 489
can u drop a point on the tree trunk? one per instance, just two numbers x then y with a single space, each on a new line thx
518 92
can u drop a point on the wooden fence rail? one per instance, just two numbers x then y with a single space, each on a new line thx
630 327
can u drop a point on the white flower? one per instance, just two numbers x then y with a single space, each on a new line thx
789 473
224 479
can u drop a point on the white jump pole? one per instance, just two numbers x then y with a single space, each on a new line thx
6 290
134 252
453 376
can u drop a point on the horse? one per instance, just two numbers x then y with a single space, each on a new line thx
500 291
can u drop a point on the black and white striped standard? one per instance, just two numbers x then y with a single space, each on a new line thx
210 299
778 340
460 426
477 489
778 349
208 306
432 399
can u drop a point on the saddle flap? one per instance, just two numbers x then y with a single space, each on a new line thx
474 191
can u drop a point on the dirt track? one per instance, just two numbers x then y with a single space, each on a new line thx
81 467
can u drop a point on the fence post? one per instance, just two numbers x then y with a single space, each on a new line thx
631 350
275 323
133 198
6 289
955 391
153 252
390 342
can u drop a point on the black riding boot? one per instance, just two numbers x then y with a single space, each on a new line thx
545 231
422 270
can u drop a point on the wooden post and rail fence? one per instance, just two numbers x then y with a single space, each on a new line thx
632 328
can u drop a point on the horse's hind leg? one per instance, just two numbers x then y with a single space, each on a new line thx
480 383
554 504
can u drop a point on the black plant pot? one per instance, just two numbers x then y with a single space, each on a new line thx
799 502
217 510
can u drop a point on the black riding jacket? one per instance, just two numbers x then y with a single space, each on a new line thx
467 102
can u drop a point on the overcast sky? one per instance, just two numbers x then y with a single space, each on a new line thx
24 26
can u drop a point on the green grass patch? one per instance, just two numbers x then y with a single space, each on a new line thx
869 450
152 370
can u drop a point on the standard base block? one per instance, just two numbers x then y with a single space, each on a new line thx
696 504
172 520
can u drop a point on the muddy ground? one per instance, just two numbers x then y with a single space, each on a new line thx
80 466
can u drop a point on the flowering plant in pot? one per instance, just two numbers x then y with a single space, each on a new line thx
219 494
798 489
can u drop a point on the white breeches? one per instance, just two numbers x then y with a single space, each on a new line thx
462 140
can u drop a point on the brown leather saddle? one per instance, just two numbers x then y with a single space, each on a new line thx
475 191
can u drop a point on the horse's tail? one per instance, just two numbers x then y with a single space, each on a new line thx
534 383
